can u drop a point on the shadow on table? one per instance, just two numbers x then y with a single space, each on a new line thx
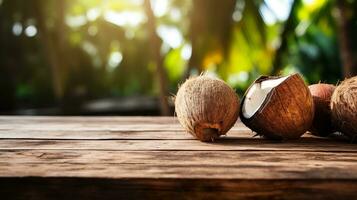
308 139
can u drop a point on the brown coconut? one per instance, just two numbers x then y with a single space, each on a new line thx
206 107
285 112
321 94
344 107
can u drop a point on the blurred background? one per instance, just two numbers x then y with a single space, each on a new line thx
127 57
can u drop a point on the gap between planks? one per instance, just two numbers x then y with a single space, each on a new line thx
243 144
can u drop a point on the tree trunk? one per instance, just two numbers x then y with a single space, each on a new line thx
348 56
288 29
54 44
210 29
49 49
61 38
155 43
7 67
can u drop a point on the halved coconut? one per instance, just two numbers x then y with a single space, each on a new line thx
278 107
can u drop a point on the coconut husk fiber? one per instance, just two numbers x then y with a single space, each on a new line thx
206 107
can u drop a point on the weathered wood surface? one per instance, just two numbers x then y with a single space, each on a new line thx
152 157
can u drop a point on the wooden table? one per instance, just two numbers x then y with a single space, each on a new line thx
152 157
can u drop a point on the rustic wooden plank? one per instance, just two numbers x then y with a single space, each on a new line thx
90 123
179 164
106 135
94 124
93 135
102 128
91 127
136 157
97 127
101 188
225 144
88 119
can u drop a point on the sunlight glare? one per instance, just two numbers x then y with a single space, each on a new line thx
237 16
137 2
31 31
125 18
308 2
186 51
93 14
89 48
268 16
160 7
115 59
243 76
236 78
175 14
302 27
170 35
17 28
129 33
238 11
312 5
275 10
76 21
93 30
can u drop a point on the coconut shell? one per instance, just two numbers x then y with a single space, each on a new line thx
287 111
344 107
206 107
321 94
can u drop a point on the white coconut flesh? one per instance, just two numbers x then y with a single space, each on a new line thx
257 94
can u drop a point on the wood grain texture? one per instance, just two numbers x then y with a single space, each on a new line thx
179 164
153 157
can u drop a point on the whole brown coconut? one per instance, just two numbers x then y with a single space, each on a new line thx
344 107
206 107
278 107
321 94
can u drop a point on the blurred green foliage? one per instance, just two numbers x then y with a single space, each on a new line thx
72 51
